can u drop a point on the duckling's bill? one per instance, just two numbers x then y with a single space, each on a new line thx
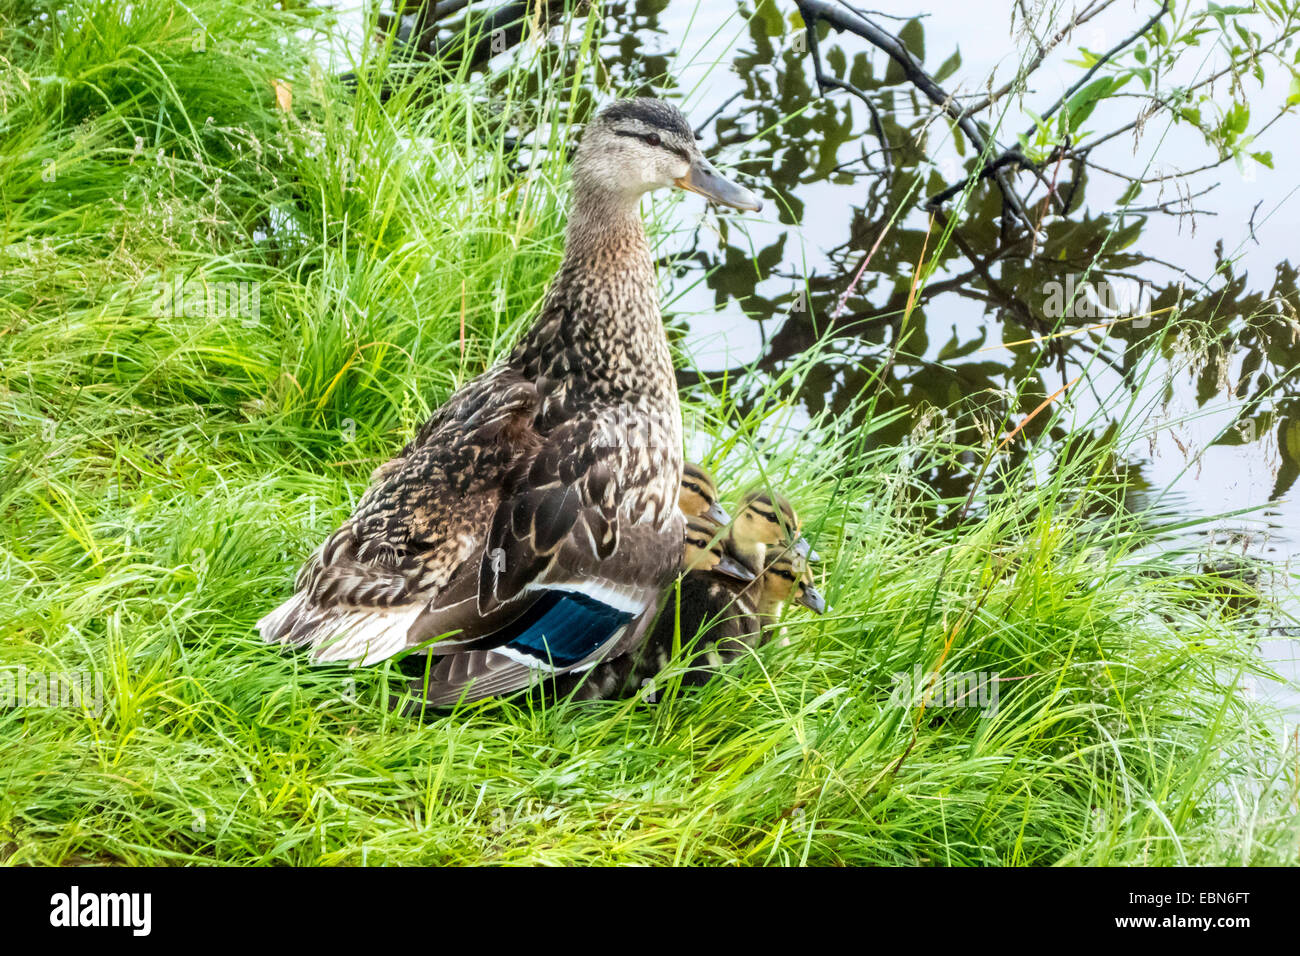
717 514
812 599
733 569
704 178
804 550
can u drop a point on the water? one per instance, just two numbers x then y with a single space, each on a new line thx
827 206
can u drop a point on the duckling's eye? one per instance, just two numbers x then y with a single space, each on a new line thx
653 139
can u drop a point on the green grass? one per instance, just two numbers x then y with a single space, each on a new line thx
165 474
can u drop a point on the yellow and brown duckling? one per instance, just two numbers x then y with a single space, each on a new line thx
789 586
721 606
719 614
698 496
767 526
706 550
520 534
787 580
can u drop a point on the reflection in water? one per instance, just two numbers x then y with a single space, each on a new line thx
1020 286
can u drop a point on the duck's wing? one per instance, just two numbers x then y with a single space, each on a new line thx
570 573
423 518
569 625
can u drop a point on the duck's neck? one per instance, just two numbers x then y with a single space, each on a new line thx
752 554
601 316
605 234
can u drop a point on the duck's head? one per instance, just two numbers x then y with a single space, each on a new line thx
634 146
699 495
766 525
789 578
706 550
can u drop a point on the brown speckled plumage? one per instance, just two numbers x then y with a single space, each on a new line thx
557 470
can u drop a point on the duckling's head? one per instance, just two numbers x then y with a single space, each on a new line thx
634 146
706 550
699 495
789 578
765 522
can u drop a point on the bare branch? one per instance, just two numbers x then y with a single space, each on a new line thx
825 80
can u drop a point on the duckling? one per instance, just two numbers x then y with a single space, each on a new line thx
723 611
723 614
725 597
699 495
530 526
766 521
787 580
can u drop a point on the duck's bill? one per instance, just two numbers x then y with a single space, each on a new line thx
702 178
805 551
733 569
812 599
718 514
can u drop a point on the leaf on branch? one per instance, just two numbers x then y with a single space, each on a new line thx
949 67
913 37
860 73
1238 118
1125 237
1192 37
1082 103
1219 13
1044 134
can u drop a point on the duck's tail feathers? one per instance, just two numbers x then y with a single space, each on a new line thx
357 635
276 625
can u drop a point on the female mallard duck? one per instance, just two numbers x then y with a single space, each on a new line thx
531 520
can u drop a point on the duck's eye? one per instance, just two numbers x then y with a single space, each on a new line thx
653 139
